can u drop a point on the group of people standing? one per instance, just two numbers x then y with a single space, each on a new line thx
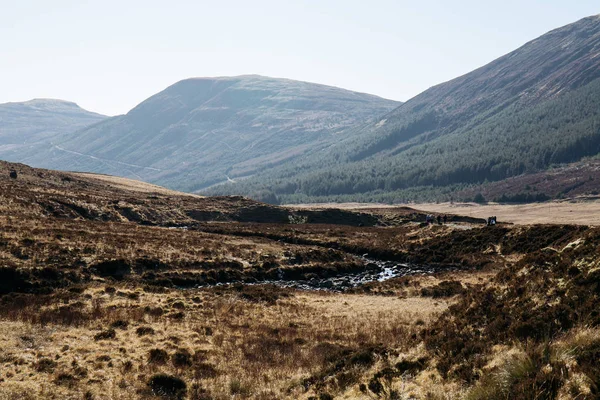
430 219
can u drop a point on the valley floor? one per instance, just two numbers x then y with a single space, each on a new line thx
108 341
580 210
115 293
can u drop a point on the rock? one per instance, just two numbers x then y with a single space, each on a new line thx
326 284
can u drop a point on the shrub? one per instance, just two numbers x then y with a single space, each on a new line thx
127 366
119 324
178 316
154 311
411 367
236 387
45 365
443 289
528 376
205 371
182 359
65 379
144 330
158 356
106 335
179 305
167 385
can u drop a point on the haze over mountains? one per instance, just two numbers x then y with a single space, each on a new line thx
201 131
522 113
32 121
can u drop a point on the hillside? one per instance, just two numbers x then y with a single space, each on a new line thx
203 131
26 123
532 108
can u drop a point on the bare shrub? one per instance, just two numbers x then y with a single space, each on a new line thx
106 335
158 356
144 330
167 386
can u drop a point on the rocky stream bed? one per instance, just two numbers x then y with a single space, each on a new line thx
374 271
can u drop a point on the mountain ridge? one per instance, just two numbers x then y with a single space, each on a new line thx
200 131
520 113
527 110
40 119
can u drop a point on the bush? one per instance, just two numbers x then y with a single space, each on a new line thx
236 387
182 359
119 324
205 371
45 365
65 379
158 356
167 385
528 376
443 289
106 335
144 330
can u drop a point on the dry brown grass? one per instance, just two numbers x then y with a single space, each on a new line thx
92 305
222 343
577 211
580 210
118 182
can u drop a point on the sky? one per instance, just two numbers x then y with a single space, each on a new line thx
108 56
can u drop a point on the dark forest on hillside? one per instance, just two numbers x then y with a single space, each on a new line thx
509 142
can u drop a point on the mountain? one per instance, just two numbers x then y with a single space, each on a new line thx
534 107
22 124
203 131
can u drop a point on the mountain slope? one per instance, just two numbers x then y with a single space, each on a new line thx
40 119
203 131
521 113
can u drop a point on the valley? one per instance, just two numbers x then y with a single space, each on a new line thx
198 131
114 289
521 128
250 237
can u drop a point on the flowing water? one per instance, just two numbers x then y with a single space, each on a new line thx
374 271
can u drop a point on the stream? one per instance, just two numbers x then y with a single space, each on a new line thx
375 271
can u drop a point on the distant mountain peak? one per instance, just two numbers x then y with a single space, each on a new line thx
206 130
23 123
42 100
256 80
46 103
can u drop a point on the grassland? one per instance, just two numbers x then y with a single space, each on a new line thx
581 210
112 292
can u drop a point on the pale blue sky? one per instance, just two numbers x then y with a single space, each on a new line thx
109 55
